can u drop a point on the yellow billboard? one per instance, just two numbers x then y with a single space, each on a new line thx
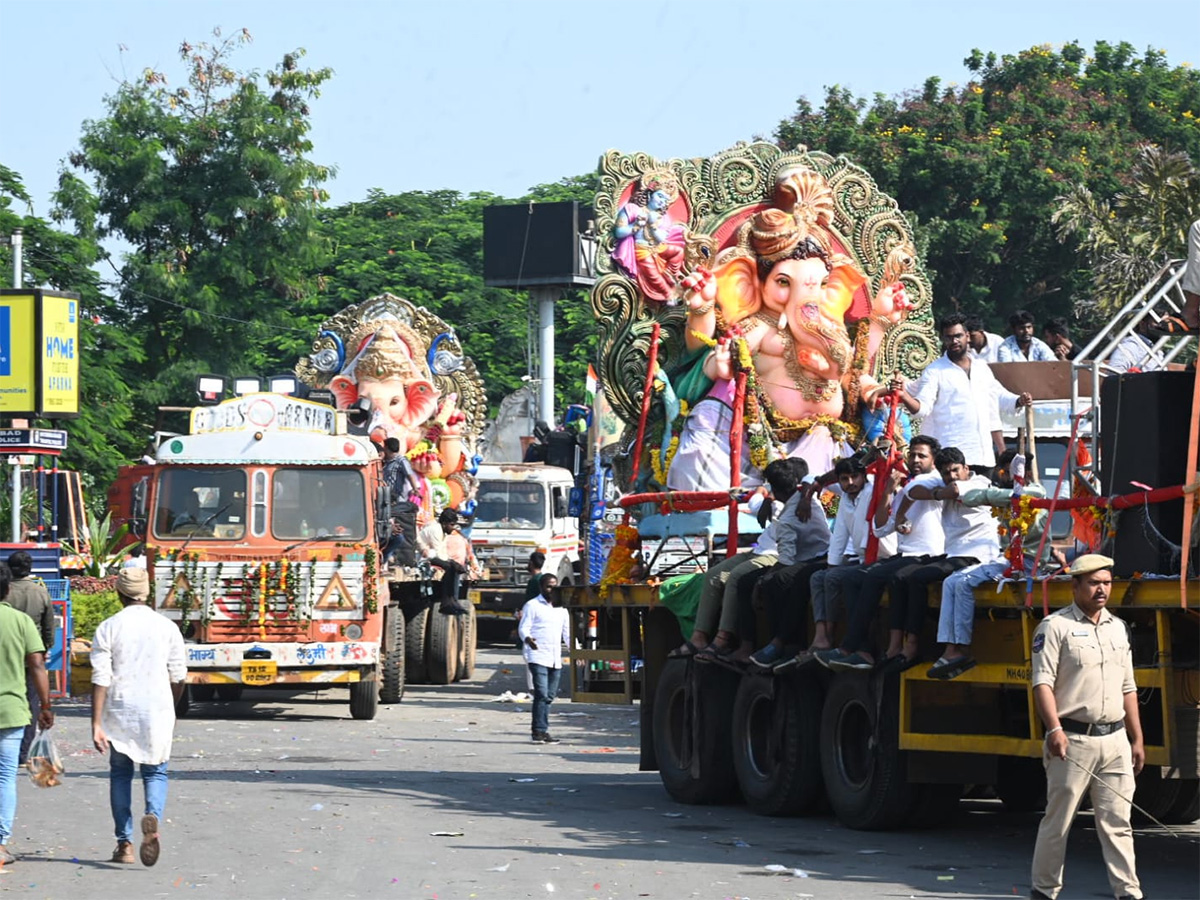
18 357
39 354
59 349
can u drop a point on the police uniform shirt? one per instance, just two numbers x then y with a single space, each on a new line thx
1088 666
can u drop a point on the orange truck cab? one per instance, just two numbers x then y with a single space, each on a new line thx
262 528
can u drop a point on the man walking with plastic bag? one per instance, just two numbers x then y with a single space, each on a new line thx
138 673
21 651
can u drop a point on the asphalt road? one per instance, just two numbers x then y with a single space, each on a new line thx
285 796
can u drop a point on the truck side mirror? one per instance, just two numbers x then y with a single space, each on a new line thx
383 513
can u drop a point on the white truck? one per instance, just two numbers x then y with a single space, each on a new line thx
520 508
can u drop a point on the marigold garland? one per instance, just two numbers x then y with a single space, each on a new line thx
622 559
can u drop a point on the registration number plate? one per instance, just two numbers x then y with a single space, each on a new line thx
259 671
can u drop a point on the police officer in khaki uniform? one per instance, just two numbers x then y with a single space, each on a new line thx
1085 694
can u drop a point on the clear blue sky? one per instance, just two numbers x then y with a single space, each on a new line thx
500 96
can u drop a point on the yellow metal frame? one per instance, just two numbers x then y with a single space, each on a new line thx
628 600
1162 596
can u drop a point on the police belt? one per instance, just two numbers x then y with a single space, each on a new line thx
1095 729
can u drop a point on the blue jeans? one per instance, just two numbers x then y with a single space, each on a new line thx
120 791
10 748
545 688
956 620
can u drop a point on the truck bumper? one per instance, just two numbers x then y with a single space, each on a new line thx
341 662
497 602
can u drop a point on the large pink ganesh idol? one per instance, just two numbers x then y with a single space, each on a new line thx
784 292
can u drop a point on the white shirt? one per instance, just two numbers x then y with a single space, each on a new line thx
990 350
1010 351
1134 352
1190 281
550 628
768 542
961 409
431 542
926 537
841 543
971 530
860 527
137 654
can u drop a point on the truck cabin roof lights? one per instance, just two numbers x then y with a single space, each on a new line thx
246 384
210 389
283 384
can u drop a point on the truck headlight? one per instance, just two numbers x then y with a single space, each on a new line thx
353 631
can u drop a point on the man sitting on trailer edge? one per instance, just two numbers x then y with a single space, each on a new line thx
919 541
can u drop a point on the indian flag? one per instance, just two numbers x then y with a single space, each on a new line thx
593 384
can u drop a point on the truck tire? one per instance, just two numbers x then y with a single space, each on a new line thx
203 693
692 709
230 693
364 699
415 638
1157 795
1187 807
776 750
467 640
391 684
860 760
1021 784
441 653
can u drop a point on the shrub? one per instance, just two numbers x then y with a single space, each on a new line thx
92 601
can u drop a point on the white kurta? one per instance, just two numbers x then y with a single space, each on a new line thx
137 654
962 409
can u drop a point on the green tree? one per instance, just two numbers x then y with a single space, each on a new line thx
211 185
427 246
979 167
101 439
1125 241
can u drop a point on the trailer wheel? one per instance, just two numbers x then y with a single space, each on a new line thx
860 760
203 693
1021 784
415 636
1157 795
364 699
391 686
441 654
1187 807
776 750
467 639
230 693
692 709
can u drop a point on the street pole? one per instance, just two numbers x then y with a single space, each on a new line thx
17 246
545 300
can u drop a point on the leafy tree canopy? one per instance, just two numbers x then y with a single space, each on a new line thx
979 167
211 185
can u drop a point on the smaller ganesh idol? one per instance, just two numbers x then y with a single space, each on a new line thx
423 391
649 244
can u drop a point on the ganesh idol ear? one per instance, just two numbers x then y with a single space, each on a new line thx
738 292
345 390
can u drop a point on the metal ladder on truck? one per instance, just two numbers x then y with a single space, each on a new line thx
1160 297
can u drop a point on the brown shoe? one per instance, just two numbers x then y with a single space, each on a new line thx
123 853
148 851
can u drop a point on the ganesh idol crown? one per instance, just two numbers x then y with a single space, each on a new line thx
791 267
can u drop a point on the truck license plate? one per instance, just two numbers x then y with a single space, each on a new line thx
259 671
475 597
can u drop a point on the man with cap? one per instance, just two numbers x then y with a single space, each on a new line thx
138 674
21 657
1084 691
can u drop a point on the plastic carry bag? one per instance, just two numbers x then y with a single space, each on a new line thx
44 762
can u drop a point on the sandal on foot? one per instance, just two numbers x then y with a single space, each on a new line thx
945 669
683 652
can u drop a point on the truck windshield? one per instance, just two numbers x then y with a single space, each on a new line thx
200 502
505 504
317 502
